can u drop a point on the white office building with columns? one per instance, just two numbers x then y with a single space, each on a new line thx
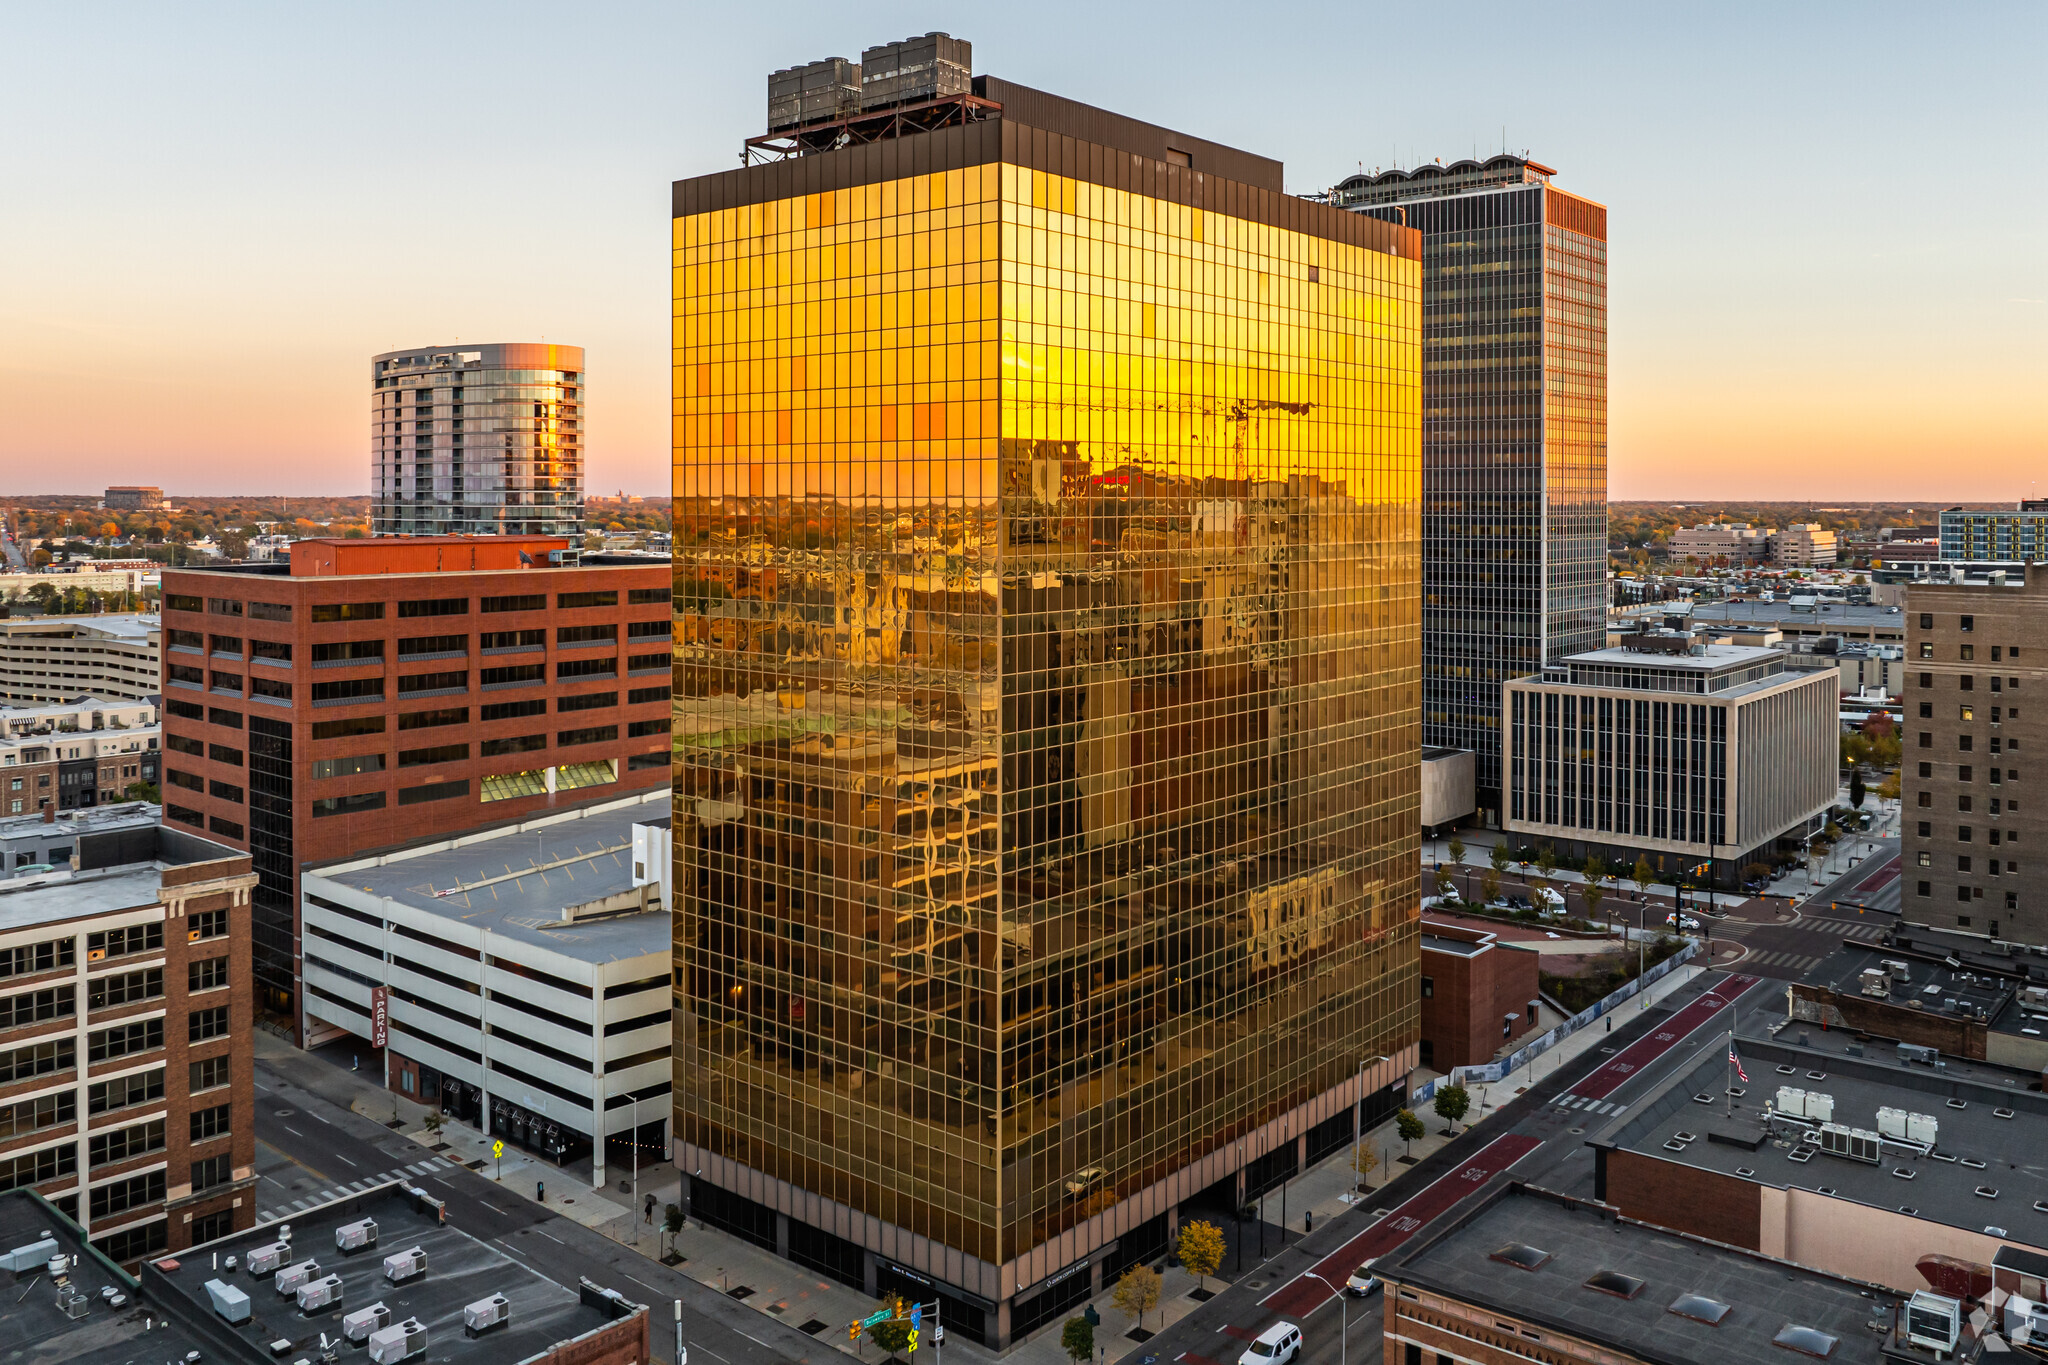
1702 758
517 976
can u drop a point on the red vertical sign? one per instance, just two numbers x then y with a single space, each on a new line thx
380 1017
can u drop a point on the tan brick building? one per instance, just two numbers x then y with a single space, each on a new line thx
1976 713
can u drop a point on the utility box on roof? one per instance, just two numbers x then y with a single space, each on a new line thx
358 1326
352 1237
323 1293
265 1260
401 1266
292 1276
485 1314
390 1345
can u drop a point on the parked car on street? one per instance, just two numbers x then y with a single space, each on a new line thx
1276 1345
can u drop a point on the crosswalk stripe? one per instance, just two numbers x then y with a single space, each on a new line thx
298 1204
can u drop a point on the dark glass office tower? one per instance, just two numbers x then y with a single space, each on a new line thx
1514 433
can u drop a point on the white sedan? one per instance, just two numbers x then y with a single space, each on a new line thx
1678 921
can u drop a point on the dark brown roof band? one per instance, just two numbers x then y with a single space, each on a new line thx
1005 140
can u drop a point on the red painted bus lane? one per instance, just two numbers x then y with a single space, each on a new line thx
1297 1300
1673 1031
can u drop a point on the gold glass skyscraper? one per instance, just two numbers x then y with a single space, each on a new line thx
1046 694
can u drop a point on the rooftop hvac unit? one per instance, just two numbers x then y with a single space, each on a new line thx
264 1260
1934 1321
292 1276
1922 1128
1902 1126
356 1236
1875 983
358 1325
486 1313
401 1266
1857 1144
1897 969
390 1345
324 1292
1791 1102
1820 1108
915 70
812 93
228 1301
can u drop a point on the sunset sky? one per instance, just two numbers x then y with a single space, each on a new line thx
1827 276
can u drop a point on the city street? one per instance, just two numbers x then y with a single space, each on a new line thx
1538 1136
311 1147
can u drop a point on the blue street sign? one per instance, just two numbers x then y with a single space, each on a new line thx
916 1316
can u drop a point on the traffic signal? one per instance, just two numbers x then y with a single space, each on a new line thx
853 1331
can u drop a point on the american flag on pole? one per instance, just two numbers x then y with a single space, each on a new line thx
1736 1061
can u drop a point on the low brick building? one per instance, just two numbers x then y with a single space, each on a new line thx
1478 993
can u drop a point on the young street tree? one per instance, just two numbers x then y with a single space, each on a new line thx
1137 1293
1410 1128
1498 856
1642 875
1365 1161
892 1334
1201 1249
1452 1102
1457 849
1489 885
1077 1339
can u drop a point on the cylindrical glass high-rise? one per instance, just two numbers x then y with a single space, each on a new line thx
478 440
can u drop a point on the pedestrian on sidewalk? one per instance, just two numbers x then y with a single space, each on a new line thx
540 1191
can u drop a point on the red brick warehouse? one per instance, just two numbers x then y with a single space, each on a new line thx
378 692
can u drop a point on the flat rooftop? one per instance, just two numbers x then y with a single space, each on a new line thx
1710 659
1988 1134
1990 984
1579 1241
1929 986
1805 615
121 871
460 1271
36 1330
516 881
90 820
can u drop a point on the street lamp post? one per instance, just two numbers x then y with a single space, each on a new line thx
1343 1319
1357 1122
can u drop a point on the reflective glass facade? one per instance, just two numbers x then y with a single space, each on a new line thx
483 440
1047 631
1514 516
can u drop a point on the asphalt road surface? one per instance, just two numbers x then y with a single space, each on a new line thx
1539 1137
308 1146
